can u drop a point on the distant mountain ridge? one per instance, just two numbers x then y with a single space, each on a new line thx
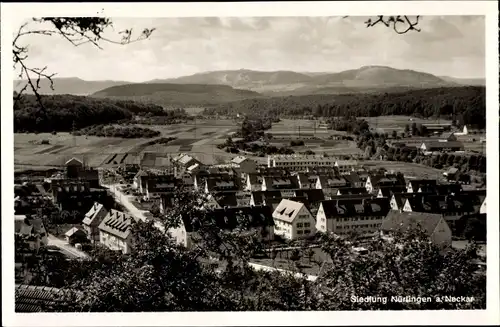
465 81
286 81
68 85
232 85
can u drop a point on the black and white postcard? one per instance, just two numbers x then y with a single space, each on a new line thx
250 163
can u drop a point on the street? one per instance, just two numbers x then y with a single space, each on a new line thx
123 199
66 248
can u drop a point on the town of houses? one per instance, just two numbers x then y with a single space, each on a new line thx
291 198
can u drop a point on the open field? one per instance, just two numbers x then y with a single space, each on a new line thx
398 123
199 139
296 126
410 170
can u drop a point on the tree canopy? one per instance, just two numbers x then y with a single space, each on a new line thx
214 274
466 103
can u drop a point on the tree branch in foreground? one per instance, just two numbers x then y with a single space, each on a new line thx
77 31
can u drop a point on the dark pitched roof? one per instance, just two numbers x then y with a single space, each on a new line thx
223 170
260 196
329 171
226 199
352 196
445 189
287 182
355 207
352 178
31 298
401 197
386 180
74 162
273 171
352 190
117 223
332 181
442 204
96 213
222 182
255 178
388 191
416 183
443 145
312 195
231 218
162 183
396 221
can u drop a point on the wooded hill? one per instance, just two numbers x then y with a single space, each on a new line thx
168 95
63 112
468 103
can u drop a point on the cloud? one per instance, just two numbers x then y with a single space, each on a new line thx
447 45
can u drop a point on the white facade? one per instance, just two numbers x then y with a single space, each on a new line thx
113 242
343 225
464 132
407 206
346 166
442 234
253 185
394 204
246 165
483 207
300 162
292 220
182 237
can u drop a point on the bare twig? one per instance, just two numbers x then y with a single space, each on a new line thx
77 31
395 22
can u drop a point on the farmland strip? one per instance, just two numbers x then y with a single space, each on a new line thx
123 159
111 160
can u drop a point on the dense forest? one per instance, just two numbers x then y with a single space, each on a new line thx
128 132
65 112
468 103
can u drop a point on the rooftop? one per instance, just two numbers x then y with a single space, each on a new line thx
287 210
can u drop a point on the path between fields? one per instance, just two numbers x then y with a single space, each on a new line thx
124 200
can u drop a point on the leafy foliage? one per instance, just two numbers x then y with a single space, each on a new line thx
214 275
118 131
76 30
61 112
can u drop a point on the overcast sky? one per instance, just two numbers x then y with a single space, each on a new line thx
447 45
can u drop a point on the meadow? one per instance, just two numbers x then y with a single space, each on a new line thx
200 138
398 123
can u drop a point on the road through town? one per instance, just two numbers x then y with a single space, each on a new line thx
65 247
124 200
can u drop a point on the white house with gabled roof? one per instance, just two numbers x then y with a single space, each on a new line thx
292 220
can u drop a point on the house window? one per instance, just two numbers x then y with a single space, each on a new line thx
299 232
299 224
307 231
307 224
